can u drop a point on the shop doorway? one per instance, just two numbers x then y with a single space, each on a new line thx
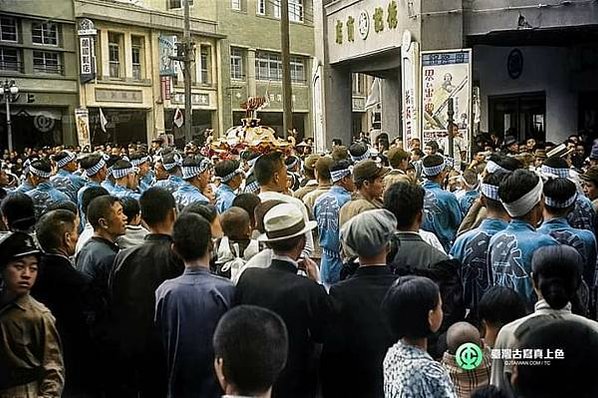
588 113
521 115
32 127
124 126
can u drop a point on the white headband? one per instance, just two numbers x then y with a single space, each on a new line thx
366 155
137 162
120 173
338 175
558 204
490 191
433 171
493 167
66 160
95 168
39 173
561 173
232 175
526 203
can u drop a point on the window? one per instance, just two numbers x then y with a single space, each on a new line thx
297 70
8 29
205 64
295 10
268 66
136 56
44 33
236 63
358 83
46 62
276 8
261 7
114 54
236 5
9 59
178 3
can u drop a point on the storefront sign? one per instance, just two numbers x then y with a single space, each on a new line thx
410 85
196 99
82 123
87 34
446 75
128 96
358 104
376 22
166 87
167 49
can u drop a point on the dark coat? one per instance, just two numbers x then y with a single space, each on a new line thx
304 306
358 335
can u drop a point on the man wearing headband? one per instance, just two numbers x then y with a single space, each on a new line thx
196 173
510 251
471 183
109 182
65 180
583 215
25 185
44 194
442 212
560 197
31 362
146 177
327 212
171 162
231 178
471 248
126 180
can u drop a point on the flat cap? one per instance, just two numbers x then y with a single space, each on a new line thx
368 233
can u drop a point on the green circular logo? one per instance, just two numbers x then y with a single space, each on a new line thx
469 356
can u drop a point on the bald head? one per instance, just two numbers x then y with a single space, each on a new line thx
461 333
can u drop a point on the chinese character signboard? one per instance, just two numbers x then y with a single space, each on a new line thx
87 59
410 79
167 47
445 75
82 123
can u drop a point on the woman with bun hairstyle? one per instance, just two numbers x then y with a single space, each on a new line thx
556 276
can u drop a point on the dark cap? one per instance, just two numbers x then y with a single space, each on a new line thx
590 175
15 245
510 140
368 170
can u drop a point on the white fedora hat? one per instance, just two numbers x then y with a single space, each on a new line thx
284 221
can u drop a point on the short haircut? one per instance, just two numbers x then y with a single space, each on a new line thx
130 208
407 305
42 164
191 236
90 194
417 152
578 366
249 202
432 160
208 212
337 141
405 200
506 162
460 333
19 211
155 205
433 145
286 245
90 160
561 190
65 205
501 305
260 213
323 167
556 162
234 222
470 177
494 179
226 167
556 271
341 164
99 208
51 228
253 345
266 166
517 184
399 155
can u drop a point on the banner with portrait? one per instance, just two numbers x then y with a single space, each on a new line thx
167 48
446 75
82 123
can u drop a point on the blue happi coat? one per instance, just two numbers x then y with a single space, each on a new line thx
24 187
171 184
583 215
581 240
146 181
471 249
442 213
224 198
68 183
187 194
108 185
466 201
45 195
510 257
326 211
122 192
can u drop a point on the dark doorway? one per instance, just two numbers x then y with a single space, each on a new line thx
124 126
357 124
521 115
32 127
588 113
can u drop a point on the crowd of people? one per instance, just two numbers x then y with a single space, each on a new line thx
357 272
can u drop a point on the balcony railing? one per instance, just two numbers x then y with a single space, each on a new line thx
51 69
12 66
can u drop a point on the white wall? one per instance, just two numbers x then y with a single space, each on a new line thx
544 69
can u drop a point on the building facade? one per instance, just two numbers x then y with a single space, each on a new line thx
38 50
532 67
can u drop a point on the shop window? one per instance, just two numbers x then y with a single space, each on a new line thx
137 57
10 59
114 44
522 116
172 4
8 29
236 64
47 62
44 33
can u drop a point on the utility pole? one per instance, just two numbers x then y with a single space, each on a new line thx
287 94
450 128
187 60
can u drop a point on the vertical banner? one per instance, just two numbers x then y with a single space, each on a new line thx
410 84
167 48
318 112
165 84
82 123
87 57
446 75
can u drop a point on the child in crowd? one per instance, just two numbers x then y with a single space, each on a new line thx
236 247
135 232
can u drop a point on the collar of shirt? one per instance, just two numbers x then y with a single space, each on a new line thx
225 187
431 184
520 224
338 188
158 237
286 259
62 173
557 222
196 271
374 269
112 245
311 183
21 302
176 179
542 306
45 186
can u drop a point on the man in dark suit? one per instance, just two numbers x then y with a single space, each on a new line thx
301 302
358 336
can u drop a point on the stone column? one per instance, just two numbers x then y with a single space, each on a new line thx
338 105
